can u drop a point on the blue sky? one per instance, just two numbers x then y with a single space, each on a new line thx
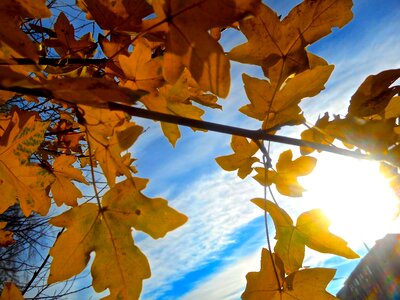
210 255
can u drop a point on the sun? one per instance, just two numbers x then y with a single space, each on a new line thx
355 197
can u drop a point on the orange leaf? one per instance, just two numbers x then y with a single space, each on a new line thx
189 44
117 15
65 43
11 292
18 177
10 32
142 72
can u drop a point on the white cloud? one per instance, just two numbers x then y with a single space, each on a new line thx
217 206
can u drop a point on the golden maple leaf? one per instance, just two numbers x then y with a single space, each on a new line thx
311 230
302 285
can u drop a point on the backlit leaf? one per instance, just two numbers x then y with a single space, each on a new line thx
302 285
242 159
374 136
316 134
189 44
311 230
374 94
287 171
142 72
280 108
118 264
117 15
62 189
279 46
18 177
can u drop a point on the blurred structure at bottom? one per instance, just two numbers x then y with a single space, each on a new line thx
377 276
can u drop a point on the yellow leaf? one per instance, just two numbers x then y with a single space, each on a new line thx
279 46
189 44
109 154
280 108
392 110
242 159
150 215
302 285
6 236
142 72
311 230
374 94
11 292
18 177
176 100
118 264
287 171
62 189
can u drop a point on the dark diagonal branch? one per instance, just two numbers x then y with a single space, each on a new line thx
251 134
56 62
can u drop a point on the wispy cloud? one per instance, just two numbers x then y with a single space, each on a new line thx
217 205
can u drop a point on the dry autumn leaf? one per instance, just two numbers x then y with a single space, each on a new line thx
287 171
311 230
302 285
188 41
279 46
242 159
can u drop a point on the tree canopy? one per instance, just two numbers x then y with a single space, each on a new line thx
70 102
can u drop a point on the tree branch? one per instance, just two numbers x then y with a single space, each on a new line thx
56 62
251 134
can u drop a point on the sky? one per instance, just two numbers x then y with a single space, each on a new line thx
210 255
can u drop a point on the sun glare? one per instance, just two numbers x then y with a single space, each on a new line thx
355 197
